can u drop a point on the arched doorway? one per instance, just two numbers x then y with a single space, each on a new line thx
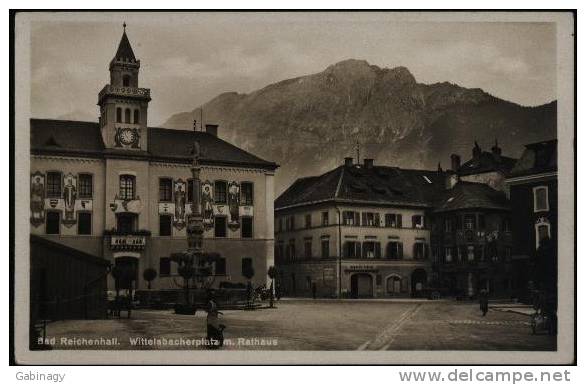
418 282
394 285
361 285
125 273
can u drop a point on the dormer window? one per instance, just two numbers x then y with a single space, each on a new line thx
540 199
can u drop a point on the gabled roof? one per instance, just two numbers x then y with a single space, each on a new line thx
85 139
124 52
468 195
366 185
538 158
487 162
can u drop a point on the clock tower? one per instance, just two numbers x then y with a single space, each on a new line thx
123 105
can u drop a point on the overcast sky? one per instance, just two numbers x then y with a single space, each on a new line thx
189 59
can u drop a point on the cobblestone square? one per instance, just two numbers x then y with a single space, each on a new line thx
320 325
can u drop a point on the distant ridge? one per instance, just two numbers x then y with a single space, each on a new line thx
310 123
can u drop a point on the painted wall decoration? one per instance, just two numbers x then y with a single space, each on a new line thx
179 197
69 198
126 206
207 204
37 199
234 205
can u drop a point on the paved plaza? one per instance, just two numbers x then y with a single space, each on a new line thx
323 325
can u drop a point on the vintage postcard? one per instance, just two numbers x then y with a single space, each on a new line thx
294 187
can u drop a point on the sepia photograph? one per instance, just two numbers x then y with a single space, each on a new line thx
294 187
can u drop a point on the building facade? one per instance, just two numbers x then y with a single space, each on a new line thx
121 190
362 230
359 230
533 191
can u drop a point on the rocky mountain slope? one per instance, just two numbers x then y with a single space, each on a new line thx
310 123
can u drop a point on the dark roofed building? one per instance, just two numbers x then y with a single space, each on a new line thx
363 230
487 167
533 192
123 191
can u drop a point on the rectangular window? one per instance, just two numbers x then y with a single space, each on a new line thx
419 250
165 190
52 224
391 220
470 253
325 248
350 218
84 223
246 193
164 266
371 250
246 229
291 250
448 225
85 186
127 187
325 218
247 266
540 199
417 221
308 251
165 225
126 223
220 192
220 266
220 227
469 222
308 221
352 249
53 185
395 250
448 254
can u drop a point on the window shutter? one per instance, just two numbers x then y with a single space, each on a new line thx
400 250
399 220
358 250
364 219
377 250
413 221
377 220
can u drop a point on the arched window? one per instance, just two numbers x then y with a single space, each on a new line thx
136 116
127 115
126 80
118 115
127 187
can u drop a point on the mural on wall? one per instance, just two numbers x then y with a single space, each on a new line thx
37 199
69 198
234 205
207 204
179 188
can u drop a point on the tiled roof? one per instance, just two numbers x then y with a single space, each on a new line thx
486 162
538 158
468 195
375 185
124 52
85 139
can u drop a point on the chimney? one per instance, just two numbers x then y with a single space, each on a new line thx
496 150
451 180
476 151
368 163
455 162
348 161
212 129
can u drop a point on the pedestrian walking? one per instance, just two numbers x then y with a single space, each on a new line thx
483 300
215 330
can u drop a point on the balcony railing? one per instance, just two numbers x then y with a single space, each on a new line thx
125 91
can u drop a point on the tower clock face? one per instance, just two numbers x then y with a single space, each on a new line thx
127 136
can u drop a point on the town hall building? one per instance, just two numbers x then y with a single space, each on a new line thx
122 190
